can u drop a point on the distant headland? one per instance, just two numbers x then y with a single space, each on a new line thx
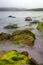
20 9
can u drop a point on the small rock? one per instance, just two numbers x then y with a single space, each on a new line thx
28 19
11 16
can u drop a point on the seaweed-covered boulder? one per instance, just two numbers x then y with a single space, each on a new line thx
15 58
14 26
4 36
23 36
28 19
40 26
11 16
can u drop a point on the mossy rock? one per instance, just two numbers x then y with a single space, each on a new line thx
14 57
19 36
4 36
23 36
14 26
40 26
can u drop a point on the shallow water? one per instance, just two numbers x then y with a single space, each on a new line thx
37 50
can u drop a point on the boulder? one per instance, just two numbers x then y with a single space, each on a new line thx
23 36
28 19
34 61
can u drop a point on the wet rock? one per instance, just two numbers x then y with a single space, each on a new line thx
34 22
12 16
22 32
3 51
4 36
25 53
34 61
26 42
28 19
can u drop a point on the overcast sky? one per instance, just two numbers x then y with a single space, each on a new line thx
22 3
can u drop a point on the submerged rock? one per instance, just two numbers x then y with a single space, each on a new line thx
29 28
29 24
16 58
34 22
34 61
23 36
14 26
40 26
28 19
12 16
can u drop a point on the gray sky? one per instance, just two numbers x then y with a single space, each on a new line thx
22 3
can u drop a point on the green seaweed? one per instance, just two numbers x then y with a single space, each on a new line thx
11 26
21 38
40 26
14 58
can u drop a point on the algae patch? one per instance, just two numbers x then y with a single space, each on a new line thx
40 26
14 26
14 57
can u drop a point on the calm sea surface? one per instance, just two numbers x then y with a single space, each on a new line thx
37 50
